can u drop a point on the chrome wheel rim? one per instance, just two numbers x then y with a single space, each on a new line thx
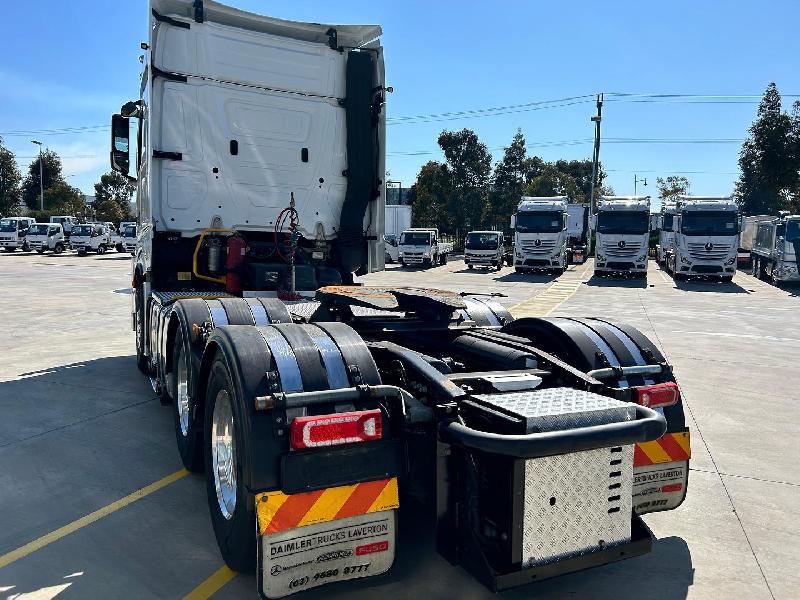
223 454
183 394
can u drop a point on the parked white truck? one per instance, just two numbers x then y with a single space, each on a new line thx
748 225
484 249
622 235
128 237
706 238
666 231
47 236
13 233
91 237
398 219
316 422
67 222
423 246
540 234
776 249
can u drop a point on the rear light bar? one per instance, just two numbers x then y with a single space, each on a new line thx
336 429
658 395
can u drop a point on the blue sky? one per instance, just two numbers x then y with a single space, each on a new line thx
71 64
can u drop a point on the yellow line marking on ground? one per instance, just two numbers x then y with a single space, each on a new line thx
551 298
211 585
53 536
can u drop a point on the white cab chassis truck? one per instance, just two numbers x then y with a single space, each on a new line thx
484 249
317 420
622 226
666 231
423 246
706 238
13 233
47 236
91 237
67 223
128 237
398 219
776 249
540 234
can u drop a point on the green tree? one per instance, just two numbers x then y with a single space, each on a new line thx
51 174
553 182
581 173
428 196
469 166
115 187
109 210
10 178
510 175
672 186
769 158
61 198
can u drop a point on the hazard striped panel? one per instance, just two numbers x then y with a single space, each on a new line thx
670 447
278 511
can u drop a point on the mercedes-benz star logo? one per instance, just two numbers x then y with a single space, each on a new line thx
709 246
537 242
621 243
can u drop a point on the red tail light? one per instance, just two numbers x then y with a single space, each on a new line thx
336 429
660 394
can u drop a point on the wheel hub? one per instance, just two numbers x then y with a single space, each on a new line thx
223 454
183 394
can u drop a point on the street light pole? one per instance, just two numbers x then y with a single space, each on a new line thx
636 180
41 176
596 157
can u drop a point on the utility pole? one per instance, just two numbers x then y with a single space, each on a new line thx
41 177
636 180
596 156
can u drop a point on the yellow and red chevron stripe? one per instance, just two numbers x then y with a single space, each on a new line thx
278 511
670 447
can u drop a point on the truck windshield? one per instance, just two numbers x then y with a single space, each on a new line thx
623 221
666 223
709 223
130 231
39 229
82 230
415 238
540 221
7 225
793 231
482 241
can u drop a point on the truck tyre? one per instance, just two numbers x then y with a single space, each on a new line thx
188 432
59 248
81 252
444 259
470 266
11 248
101 249
518 270
40 250
120 248
141 360
232 514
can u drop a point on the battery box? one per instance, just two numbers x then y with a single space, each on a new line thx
537 511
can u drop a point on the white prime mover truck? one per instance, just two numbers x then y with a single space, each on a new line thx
423 246
622 235
318 421
706 238
776 249
13 233
540 234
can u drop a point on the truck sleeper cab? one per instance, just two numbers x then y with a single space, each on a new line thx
13 233
622 226
484 249
540 234
367 396
47 236
706 238
776 249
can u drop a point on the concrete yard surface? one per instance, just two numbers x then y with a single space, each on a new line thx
95 503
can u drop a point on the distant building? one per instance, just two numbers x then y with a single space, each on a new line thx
90 200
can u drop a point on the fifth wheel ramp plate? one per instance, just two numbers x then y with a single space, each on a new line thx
306 557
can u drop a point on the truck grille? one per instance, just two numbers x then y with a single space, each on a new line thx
629 250
412 258
7 239
698 251
544 248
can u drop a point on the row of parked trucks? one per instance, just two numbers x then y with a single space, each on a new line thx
64 233
325 414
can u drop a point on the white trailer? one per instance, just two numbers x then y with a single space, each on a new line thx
706 238
623 235
579 234
776 249
398 219
314 421
540 234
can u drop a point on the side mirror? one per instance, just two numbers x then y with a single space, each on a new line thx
513 221
120 146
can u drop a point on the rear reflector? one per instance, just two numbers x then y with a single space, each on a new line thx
660 394
336 429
